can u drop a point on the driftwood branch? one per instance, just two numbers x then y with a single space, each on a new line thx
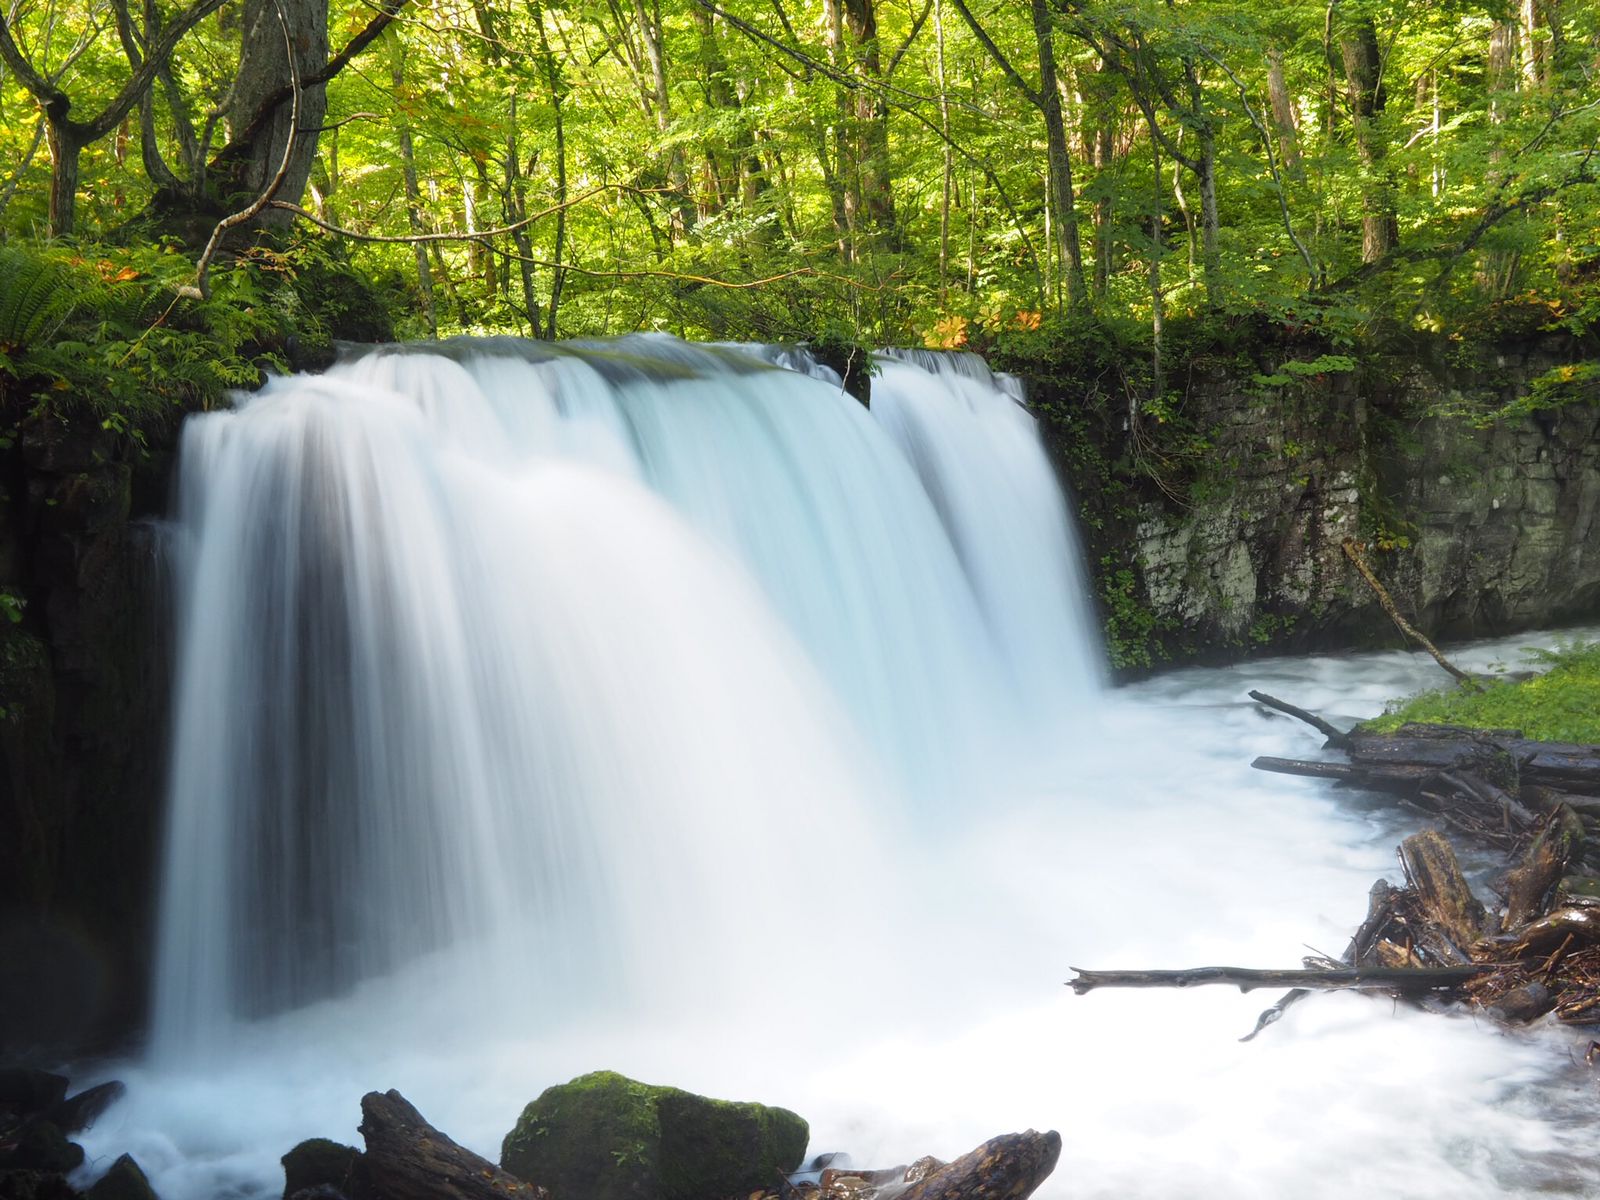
1335 736
1408 980
1352 551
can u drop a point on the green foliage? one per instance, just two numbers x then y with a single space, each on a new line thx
37 294
1131 628
106 336
1560 704
1288 372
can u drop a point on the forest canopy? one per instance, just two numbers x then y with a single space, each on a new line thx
902 170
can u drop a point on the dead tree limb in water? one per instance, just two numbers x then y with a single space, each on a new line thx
1336 737
1352 551
1380 907
1408 980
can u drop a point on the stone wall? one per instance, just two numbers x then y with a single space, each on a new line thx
1474 530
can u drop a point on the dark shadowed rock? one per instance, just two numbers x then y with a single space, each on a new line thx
35 1185
79 1112
25 1090
125 1181
40 1146
318 1162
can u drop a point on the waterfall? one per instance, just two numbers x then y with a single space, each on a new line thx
524 653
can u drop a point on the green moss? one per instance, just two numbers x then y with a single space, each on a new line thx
607 1137
1561 705
319 1161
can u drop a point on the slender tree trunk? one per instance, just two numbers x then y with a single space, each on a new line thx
516 209
650 33
1059 156
1206 172
1533 46
1358 47
1283 115
948 176
1105 200
869 126
408 164
1498 266
553 81
837 162
1157 303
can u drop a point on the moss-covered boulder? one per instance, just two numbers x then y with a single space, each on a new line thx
607 1137
319 1162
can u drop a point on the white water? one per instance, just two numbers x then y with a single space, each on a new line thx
537 717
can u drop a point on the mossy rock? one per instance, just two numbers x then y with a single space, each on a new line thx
318 1162
607 1137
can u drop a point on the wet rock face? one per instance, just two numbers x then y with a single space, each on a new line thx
1474 531
82 732
1508 522
606 1137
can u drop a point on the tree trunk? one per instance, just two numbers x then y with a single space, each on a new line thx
1283 115
408 162
683 214
1105 203
264 70
1060 160
66 152
869 128
1358 47
553 80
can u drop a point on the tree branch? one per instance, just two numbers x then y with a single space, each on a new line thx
387 12
999 56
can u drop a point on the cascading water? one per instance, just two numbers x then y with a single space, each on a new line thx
544 709
474 645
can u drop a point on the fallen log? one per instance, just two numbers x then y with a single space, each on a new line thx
1558 842
1407 981
1442 892
408 1159
1380 907
1009 1167
1402 778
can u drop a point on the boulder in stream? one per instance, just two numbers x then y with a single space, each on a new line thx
604 1136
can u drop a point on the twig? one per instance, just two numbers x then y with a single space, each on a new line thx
1352 551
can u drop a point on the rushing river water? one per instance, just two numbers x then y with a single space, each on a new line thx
645 708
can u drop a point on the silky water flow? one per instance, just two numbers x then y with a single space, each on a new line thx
642 706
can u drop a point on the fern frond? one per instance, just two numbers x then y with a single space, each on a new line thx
37 295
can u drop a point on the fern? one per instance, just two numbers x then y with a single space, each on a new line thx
37 295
